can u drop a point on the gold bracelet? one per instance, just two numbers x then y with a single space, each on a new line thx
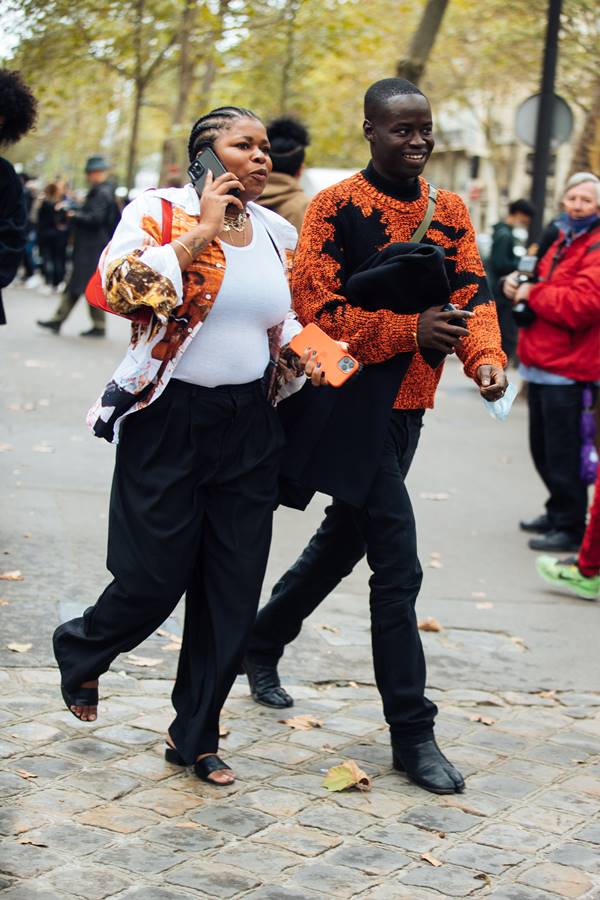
187 249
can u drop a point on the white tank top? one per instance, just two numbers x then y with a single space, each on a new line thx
232 345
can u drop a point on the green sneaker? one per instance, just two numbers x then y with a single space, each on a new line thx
565 574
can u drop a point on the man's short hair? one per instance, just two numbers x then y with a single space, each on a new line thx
521 206
379 93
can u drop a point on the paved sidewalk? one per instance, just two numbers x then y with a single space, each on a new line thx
94 811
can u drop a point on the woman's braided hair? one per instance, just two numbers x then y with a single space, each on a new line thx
207 129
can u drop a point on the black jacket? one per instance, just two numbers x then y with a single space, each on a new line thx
13 226
93 226
335 435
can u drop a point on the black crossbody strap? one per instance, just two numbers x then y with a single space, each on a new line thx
421 231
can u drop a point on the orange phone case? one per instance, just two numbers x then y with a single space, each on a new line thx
336 362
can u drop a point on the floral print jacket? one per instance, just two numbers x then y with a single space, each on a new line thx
138 272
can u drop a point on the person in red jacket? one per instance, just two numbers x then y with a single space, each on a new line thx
560 353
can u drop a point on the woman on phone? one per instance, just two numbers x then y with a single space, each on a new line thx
192 409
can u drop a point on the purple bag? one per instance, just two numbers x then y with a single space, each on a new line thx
589 454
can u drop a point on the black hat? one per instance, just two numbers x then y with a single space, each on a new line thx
96 164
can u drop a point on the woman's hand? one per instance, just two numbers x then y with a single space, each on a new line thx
510 286
215 199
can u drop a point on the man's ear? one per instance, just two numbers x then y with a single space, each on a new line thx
368 130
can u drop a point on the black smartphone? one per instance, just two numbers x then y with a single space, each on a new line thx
459 320
205 162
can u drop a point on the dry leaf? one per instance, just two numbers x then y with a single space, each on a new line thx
187 825
435 555
4 602
23 773
5 447
27 534
331 628
302 723
547 695
223 731
485 720
143 660
32 843
19 648
455 803
427 495
519 642
43 448
35 364
11 576
428 857
484 605
483 877
346 775
430 624
478 595
172 646
435 564
352 684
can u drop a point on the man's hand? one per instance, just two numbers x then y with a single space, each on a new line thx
510 285
435 331
523 292
492 382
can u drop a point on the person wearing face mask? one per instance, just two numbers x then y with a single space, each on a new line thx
192 408
509 235
560 355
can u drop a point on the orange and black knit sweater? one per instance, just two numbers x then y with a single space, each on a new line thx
348 222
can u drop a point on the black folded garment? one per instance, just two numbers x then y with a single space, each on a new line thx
335 436
406 278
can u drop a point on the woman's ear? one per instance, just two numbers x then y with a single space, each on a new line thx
368 130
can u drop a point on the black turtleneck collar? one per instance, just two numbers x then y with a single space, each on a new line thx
400 190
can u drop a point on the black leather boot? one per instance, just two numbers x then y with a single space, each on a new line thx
539 525
265 685
425 765
556 542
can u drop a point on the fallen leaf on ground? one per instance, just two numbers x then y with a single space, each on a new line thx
427 495
162 632
23 773
435 563
19 648
172 646
486 605
483 877
346 775
223 731
455 803
485 720
35 364
352 684
332 628
547 695
32 843
43 448
187 825
519 642
12 576
430 624
478 595
5 447
143 660
4 602
26 534
429 858
43 402
302 723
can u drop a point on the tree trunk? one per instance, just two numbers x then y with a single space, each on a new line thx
291 13
421 45
586 157
172 151
138 94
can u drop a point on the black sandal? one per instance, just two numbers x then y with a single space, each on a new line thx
84 697
202 767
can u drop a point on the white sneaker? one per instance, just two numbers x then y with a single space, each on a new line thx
46 289
34 281
60 287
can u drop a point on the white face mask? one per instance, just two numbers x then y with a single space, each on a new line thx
520 233
500 409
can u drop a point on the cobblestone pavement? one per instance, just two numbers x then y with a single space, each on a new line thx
96 812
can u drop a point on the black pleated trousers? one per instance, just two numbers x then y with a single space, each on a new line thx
384 530
191 507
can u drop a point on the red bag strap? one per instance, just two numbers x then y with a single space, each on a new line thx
167 221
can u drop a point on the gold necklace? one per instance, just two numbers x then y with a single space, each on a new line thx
237 222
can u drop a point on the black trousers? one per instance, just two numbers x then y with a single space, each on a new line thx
384 529
53 250
191 508
555 443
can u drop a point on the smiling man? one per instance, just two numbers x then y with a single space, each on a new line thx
345 225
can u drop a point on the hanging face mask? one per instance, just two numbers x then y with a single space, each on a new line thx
500 409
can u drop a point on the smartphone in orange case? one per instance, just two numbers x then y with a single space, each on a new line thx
336 362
